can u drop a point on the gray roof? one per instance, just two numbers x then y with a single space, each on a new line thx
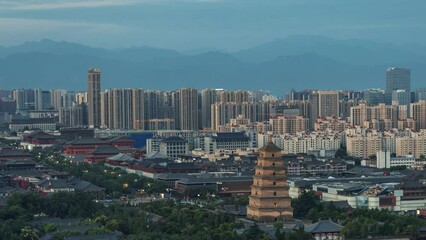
270 147
121 157
230 136
323 226
86 141
374 180
71 182
341 204
105 149
14 152
174 139
214 180
5 146
155 154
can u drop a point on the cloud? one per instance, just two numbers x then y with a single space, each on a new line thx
37 29
63 4
68 4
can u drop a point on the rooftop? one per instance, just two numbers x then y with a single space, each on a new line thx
270 147
323 226
174 139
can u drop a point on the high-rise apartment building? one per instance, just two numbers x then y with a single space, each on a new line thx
208 97
375 116
57 98
418 114
94 97
396 79
187 109
123 109
324 104
288 124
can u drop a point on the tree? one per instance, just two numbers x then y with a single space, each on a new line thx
341 152
299 234
27 233
304 203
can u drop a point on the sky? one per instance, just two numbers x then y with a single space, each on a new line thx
227 25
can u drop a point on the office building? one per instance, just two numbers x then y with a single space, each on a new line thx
396 78
374 96
401 98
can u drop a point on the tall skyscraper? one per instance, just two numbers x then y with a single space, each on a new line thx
396 79
94 97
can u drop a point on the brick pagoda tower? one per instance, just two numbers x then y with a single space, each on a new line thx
269 200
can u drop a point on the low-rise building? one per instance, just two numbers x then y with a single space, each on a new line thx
174 147
226 141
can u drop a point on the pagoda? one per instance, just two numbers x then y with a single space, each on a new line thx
269 200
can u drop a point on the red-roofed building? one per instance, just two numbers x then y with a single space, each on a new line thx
83 146
38 139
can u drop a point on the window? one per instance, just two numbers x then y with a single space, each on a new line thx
275 193
273 173
273 155
273 164
276 204
274 183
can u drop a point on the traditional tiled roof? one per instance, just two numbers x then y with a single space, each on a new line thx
105 149
155 154
71 182
182 166
121 157
323 226
39 135
14 152
86 141
341 204
270 147
5 146
87 187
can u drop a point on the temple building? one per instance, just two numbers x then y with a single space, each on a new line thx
269 200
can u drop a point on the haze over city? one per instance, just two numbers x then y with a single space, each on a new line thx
212 119
268 42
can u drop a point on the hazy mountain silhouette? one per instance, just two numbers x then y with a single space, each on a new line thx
297 62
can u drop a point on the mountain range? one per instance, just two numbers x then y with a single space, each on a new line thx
297 62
